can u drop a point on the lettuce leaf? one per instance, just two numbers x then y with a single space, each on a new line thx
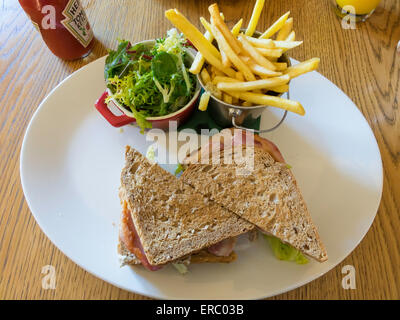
163 67
150 154
179 169
173 44
150 81
116 60
284 251
181 268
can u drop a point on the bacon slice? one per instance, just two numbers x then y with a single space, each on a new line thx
235 138
223 248
130 238
261 143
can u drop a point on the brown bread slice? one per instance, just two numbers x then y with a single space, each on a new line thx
170 217
202 256
267 196
126 256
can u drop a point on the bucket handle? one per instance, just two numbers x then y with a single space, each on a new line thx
237 112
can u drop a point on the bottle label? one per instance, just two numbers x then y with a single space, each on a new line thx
77 23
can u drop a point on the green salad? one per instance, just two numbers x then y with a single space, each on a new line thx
283 251
150 81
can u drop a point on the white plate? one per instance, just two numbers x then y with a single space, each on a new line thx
71 161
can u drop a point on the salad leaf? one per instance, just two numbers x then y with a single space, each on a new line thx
150 154
179 169
150 81
116 60
284 251
125 56
141 121
174 44
123 92
163 66
181 268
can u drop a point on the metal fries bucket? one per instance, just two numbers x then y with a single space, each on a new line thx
228 115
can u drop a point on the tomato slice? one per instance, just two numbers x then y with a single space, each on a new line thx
259 142
128 235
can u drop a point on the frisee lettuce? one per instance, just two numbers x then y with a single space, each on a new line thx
150 81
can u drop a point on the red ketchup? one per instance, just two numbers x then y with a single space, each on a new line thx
63 25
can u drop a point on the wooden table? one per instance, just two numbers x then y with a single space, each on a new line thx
362 62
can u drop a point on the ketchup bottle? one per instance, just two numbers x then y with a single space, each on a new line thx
63 25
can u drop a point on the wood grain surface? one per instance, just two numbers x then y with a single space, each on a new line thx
362 62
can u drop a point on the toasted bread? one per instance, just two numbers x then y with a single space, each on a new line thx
202 256
171 219
266 195
127 257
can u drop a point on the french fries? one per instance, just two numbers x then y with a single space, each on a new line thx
261 71
286 29
281 89
302 67
218 79
199 60
215 15
253 85
225 61
280 66
255 16
245 59
262 61
227 98
275 27
236 28
210 53
204 99
216 72
266 100
270 53
240 68
273 44
239 76
291 36
287 44
213 90
261 43
232 55
205 76
190 31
